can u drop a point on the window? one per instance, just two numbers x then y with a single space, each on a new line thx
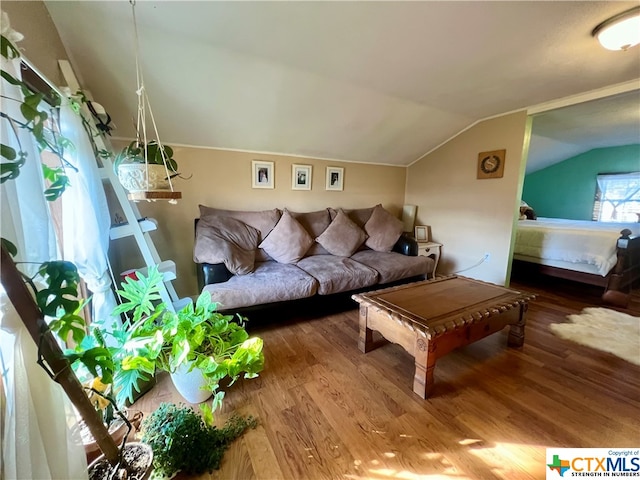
617 197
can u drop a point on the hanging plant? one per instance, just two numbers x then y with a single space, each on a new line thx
152 153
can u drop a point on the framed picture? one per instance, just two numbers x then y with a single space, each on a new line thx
301 177
422 233
261 174
491 164
335 178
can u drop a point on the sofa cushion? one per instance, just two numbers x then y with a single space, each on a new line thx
382 229
337 274
226 240
342 237
358 215
393 266
315 223
270 282
288 241
263 220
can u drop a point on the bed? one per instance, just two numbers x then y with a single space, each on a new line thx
598 253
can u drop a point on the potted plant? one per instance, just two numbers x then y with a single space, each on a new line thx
183 440
100 396
145 167
59 298
197 341
109 369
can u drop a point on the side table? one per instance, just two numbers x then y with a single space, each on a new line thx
430 249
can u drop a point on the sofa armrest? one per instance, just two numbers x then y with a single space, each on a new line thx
406 245
208 273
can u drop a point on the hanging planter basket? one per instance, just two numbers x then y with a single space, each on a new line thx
146 172
146 166
139 177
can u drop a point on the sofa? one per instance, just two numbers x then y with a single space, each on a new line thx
257 258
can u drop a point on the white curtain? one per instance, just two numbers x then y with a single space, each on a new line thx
86 219
36 442
617 191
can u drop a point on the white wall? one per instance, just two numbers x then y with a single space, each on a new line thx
469 216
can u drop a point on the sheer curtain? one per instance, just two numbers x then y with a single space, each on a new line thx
85 218
36 442
619 197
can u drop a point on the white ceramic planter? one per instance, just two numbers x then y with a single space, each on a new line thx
188 384
133 177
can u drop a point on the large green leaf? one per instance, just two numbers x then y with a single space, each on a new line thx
98 361
126 382
141 293
7 48
7 152
9 247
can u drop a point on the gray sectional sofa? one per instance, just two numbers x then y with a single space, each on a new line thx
247 258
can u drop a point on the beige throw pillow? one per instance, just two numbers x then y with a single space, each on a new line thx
288 241
383 230
342 237
226 240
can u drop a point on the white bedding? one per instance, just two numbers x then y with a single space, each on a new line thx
572 241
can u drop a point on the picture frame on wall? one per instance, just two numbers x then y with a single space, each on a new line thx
491 164
262 174
335 178
422 233
301 177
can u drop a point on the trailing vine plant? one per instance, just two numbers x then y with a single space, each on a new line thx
61 295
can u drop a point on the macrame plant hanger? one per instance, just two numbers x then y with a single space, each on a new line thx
144 106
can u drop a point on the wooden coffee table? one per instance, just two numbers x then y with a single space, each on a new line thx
431 318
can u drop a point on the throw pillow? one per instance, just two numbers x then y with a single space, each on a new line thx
263 220
383 230
226 240
288 241
358 215
315 223
342 237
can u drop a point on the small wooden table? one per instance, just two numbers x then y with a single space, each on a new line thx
433 317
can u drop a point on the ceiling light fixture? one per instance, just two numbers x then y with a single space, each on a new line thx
621 31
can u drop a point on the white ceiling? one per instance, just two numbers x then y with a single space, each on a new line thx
569 131
378 82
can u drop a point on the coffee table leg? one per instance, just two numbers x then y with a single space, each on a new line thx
425 359
365 342
516 330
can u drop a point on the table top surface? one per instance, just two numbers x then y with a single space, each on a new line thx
444 303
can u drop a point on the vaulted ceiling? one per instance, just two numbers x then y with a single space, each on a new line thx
377 82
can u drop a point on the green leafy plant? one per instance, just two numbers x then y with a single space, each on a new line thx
152 153
197 336
61 297
182 440
40 123
121 363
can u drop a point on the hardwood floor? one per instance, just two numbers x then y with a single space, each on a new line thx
326 410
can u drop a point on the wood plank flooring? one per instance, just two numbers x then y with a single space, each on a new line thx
326 410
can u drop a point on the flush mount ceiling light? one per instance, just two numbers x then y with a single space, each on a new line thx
620 32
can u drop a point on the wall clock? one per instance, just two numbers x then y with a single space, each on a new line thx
491 164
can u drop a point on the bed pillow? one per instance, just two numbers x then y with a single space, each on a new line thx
383 230
342 237
288 241
226 240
